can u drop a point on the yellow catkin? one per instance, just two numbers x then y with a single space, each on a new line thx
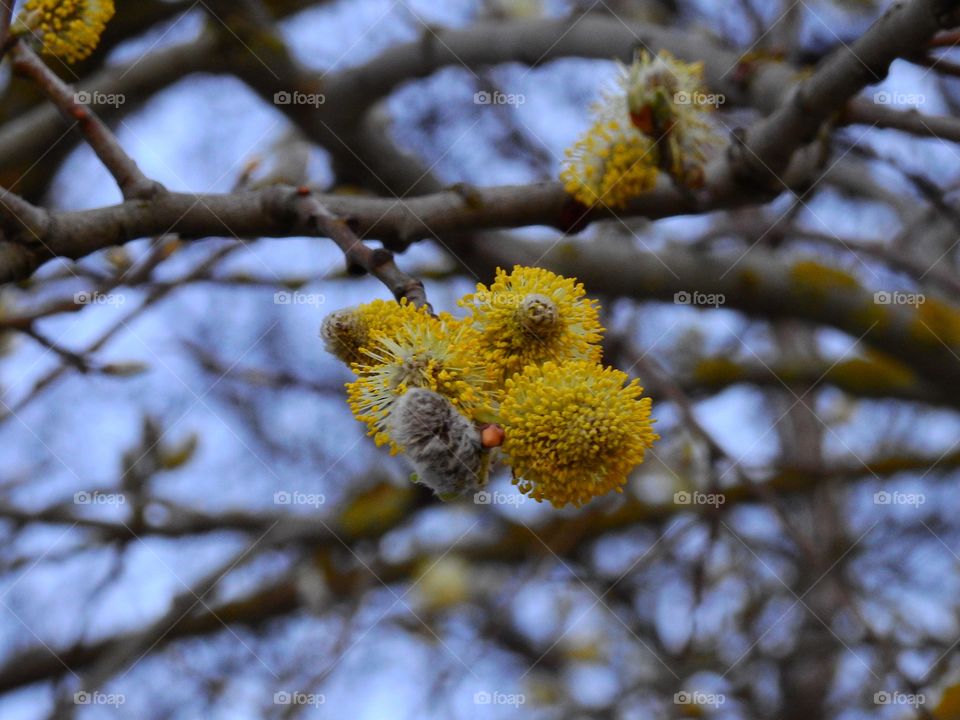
574 430
531 315
610 165
67 29
346 331
652 120
439 354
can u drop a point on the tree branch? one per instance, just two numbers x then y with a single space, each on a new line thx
132 182
759 160
6 16
562 536
360 258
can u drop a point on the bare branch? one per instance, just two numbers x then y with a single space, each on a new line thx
6 16
764 153
21 220
132 182
563 536
360 258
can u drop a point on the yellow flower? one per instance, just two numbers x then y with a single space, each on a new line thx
532 315
68 29
438 354
346 331
666 100
653 119
574 430
610 165
661 90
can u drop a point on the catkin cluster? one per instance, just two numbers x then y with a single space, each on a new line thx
518 380
654 120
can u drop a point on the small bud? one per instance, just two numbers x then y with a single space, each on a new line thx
125 369
492 436
175 456
642 119
539 314
344 333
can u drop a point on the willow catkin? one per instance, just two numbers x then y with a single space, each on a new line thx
443 446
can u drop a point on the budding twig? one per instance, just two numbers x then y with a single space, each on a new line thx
360 258
132 182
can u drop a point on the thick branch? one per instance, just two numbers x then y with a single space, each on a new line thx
274 212
925 337
20 219
858 377
766 150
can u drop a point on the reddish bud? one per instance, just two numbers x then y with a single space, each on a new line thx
491 436
642 119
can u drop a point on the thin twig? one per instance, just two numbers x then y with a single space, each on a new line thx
6 16
70 357
942 66
947 39
131 180
361 258
717 451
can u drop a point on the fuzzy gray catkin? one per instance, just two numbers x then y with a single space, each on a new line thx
443 445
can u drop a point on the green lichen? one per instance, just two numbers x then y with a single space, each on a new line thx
819 280
872 374
872 315
936 323
717 371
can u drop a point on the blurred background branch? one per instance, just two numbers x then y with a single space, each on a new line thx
194 526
